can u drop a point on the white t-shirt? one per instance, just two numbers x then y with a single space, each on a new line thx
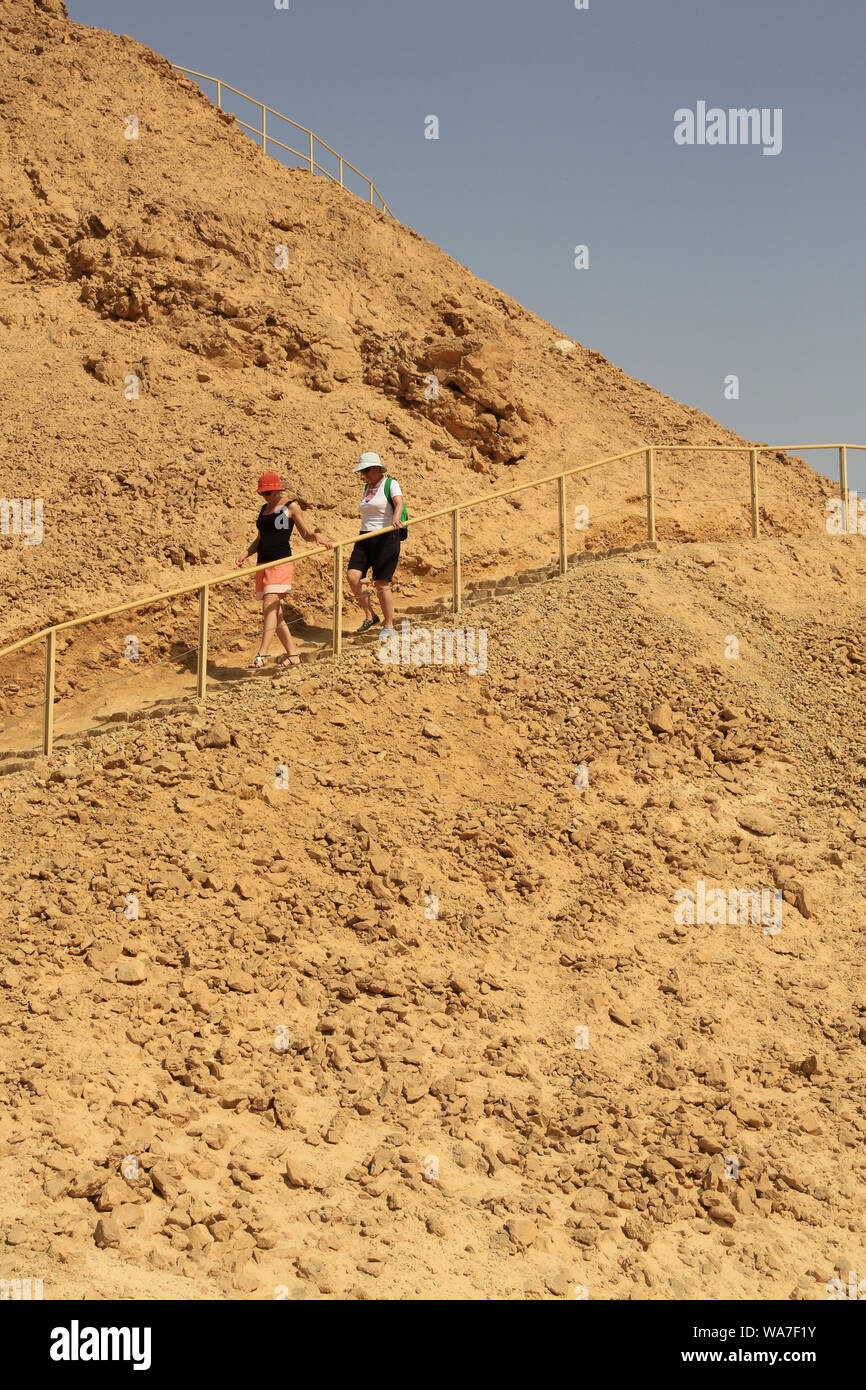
376 511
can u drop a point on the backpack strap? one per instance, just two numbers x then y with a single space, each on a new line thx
404 533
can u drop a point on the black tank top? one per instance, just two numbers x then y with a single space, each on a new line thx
275 532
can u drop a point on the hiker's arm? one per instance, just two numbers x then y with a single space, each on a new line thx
298 518
251 550
398 501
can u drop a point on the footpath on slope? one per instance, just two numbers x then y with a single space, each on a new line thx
145 685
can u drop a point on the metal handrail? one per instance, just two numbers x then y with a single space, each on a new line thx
203 589
309 157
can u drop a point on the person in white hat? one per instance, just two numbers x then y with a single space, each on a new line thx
381 505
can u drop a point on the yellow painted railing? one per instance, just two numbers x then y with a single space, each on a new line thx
307 156
49 635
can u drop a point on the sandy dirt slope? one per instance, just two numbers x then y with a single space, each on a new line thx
336 1053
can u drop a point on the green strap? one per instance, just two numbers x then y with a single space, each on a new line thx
403 514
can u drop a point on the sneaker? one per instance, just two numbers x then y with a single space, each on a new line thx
367 624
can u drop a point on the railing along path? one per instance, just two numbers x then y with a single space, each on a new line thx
203 590
307 156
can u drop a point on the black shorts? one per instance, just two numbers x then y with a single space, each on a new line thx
380 552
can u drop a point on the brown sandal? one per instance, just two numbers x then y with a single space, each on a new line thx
291 660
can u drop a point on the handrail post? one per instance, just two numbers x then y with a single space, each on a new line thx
203 614
371 192
456 586
337 635
341 171
563 552
264 131
843 482
48 705
650 495
753 482
219 95
312 170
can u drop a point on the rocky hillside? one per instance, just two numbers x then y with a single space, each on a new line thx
388 979
287 1010
179 311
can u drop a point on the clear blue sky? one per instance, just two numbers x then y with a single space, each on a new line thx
556 128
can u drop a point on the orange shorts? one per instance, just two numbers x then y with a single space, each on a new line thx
276 579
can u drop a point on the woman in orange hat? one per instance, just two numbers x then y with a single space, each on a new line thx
275 523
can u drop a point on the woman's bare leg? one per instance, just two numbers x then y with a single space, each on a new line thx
270 614
284 634
362 598
386 598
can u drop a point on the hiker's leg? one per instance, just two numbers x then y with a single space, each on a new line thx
284 632
362 598
270 614
386 598
387 560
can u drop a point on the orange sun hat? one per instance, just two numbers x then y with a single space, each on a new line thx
269 482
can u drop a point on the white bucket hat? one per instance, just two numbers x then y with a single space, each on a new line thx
367 460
